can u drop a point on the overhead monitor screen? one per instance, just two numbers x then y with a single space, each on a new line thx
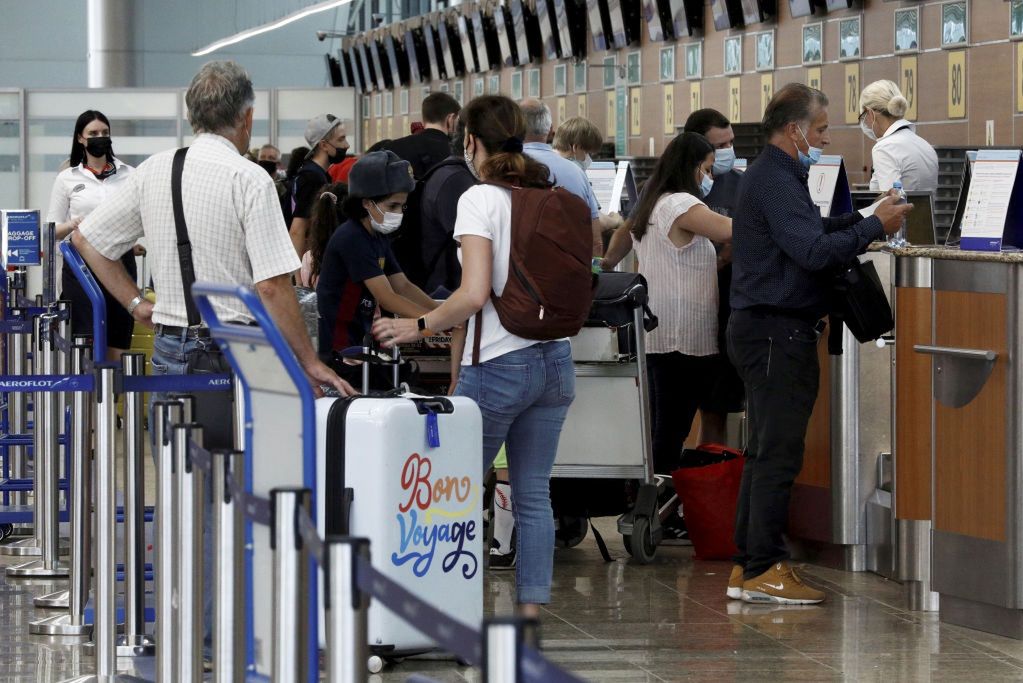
518 29
441 31
599 26
394 61
502 22
486 41
412 53
800 8
368 75
573 28
353 58
465 37
383 70
548 29
431 51
756 11
727 14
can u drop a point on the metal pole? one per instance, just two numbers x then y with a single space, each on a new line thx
28 547
502 648
47 430
104 634
228 615
188 521
17 407
63 363
396 357
166 414
346 610
290 586
134 642
73 622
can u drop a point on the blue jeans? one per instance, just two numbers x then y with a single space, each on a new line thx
524 397
169 354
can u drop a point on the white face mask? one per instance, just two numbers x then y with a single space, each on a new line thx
468 162
724 160
584 163
868 130
392 221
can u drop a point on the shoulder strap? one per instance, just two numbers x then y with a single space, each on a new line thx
477 337
184 244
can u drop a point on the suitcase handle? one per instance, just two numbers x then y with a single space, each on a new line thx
439 405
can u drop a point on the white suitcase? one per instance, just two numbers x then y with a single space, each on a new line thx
419 504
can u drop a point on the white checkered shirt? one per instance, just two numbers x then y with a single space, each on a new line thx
234 222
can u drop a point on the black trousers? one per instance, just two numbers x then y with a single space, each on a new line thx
776 356
678 385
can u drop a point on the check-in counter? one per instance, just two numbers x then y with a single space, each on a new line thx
959 432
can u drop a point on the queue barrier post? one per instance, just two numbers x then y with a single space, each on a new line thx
188 522
134 642
346 608
165 415
63 331
73 622
228 598
47 445
32 546
503 639
104 633
17 407
291 584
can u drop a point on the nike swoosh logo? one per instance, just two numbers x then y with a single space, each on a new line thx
777 587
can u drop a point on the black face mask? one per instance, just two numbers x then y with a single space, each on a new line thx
98 147
269 166
339 154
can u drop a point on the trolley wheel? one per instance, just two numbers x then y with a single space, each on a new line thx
6 530
571 531
375 664
640 543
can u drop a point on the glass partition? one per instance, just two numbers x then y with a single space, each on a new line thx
10 150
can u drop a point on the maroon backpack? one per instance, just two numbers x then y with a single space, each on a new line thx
550 281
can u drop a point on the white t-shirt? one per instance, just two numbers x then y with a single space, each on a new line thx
485 211
901 154
683 282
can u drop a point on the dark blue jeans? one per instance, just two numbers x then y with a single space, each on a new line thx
776 356
524 397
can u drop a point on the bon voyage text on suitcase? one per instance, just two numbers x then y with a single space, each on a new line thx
407 473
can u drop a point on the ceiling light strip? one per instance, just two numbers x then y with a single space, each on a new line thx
265 28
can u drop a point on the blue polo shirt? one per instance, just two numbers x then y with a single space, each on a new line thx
783 251
564 173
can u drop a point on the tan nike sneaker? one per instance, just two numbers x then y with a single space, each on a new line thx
780 585
735 581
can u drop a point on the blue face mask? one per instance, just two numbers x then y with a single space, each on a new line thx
724 160
813 154
706 185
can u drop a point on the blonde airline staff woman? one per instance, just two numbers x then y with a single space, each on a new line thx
899 153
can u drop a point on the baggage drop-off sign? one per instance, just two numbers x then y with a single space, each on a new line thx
21 238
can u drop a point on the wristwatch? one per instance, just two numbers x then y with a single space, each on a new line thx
423 329
135 304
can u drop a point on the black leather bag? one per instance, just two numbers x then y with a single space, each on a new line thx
860 301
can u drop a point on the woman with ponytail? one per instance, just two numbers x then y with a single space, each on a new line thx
523 387
899 153
323 222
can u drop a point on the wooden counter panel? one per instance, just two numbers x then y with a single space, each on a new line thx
817 458
913 404
969 449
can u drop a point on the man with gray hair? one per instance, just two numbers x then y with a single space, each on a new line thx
784 256
233 221
563 173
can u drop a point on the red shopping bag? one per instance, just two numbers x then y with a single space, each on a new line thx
708 486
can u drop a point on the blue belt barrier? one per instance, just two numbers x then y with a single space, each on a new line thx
175 383
25 383
16 326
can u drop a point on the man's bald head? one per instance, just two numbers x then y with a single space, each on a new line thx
538 119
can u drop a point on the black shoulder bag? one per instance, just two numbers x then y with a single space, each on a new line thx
860 303
214 410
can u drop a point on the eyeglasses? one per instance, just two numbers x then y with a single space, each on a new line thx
862 114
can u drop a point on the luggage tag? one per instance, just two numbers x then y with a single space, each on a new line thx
432 429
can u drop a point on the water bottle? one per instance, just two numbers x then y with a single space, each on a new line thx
899 239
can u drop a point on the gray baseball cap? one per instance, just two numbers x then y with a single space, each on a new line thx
379 174
318 128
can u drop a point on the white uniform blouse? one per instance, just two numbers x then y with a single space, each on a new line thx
901 154
77 191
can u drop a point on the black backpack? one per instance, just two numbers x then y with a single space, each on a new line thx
407 243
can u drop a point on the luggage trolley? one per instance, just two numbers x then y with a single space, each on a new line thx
607 434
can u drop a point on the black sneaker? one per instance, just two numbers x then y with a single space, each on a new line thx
499 560
675 531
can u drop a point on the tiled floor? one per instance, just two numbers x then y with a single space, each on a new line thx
668 621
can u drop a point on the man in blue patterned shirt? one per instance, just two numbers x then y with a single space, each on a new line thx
784 256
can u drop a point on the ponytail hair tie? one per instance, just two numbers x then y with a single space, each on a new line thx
512 145
331 196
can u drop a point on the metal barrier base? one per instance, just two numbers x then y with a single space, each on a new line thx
58 625
57 600
23 548
36 570
136 646
920 597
